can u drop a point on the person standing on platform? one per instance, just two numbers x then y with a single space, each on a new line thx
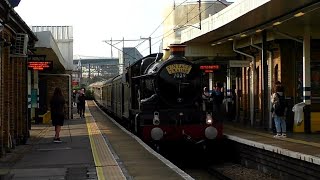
279 109
205 94
77 101
217 98
57 104
206 100
74 93
82 103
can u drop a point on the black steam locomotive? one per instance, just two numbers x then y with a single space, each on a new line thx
160 99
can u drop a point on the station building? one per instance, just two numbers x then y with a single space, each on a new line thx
15 39
261 42
31 65
55 45
102 68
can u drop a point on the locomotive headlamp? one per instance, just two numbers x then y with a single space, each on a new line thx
156 120
209 119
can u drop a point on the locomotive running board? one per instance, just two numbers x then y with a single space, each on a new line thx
142 76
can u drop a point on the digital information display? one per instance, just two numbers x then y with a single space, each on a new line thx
209 68
40 65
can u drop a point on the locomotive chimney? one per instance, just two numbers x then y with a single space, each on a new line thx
166 54
177 50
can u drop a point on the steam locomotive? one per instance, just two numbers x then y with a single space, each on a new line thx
159 99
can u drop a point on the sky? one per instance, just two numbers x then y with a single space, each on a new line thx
97 20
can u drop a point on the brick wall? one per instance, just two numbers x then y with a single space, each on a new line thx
24 98
13 98
5 96
1 100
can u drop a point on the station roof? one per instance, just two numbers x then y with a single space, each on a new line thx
251 16
97 61
10 18
48 47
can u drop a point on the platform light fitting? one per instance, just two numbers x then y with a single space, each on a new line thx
243 35
258 30
277 23
299 14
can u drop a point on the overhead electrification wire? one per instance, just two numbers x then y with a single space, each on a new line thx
169 31
166 18
172 30
182 25
222 3
121 50
161 23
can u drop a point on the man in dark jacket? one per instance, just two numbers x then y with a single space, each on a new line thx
217 97
82 103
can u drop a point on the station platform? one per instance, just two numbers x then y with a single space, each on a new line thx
92 148
300 146
96 147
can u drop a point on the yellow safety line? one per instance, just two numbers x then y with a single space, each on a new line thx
94 152
268 136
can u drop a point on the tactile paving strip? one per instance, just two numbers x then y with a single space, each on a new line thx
106 165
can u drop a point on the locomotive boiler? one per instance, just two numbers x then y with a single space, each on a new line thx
160 99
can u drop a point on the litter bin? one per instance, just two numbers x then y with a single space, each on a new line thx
298 124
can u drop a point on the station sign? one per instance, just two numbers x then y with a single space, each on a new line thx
239 63
75 81
209 68
40 65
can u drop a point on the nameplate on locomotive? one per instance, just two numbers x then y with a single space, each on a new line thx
178 68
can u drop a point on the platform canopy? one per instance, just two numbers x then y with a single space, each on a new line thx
47 47
247 17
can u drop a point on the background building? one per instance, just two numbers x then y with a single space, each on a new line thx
55 45
91 69
127 56
63 36
186 15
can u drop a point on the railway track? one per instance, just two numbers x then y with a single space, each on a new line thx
230 171
202 165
